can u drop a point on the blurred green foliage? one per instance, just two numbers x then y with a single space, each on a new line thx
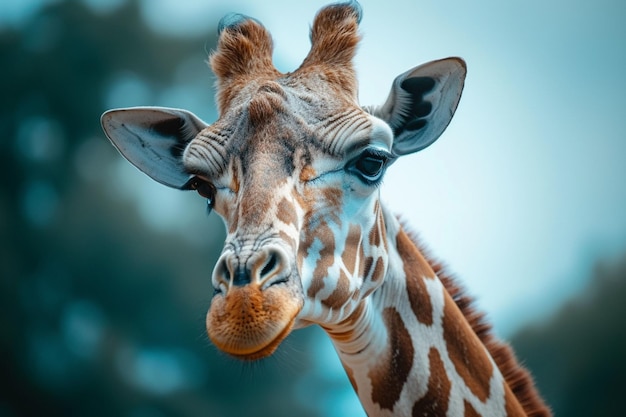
101 315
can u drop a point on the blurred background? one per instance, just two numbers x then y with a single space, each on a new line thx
104 275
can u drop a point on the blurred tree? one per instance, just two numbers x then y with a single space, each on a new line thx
577 357
100 315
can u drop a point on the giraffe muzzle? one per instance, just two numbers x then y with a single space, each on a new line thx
255 304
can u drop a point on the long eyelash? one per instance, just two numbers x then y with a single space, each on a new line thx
378 152
376 183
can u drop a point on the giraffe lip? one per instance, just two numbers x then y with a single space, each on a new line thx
261 351
249 322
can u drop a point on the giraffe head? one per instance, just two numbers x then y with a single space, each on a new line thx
292 165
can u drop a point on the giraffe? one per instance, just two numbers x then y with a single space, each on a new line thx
293 166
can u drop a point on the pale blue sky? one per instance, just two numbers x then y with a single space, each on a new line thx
525 191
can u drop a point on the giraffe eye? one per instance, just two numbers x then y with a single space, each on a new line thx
370 165
204 188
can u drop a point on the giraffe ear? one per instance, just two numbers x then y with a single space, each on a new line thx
153 139
422 102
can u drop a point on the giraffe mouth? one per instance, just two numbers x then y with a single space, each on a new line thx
249 323
251 353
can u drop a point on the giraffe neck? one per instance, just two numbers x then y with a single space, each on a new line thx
408 349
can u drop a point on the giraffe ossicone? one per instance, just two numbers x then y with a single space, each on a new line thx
293 166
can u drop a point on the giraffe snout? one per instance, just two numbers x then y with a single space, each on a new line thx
250 313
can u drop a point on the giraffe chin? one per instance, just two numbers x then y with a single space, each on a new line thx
249 323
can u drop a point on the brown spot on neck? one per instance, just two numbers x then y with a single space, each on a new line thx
341 294
379 270
390 374
366 266
518 379
470 411
416 270
465 350
374 236
345 330
435 401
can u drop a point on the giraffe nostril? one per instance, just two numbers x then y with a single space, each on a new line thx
269 266
276 269
221 276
